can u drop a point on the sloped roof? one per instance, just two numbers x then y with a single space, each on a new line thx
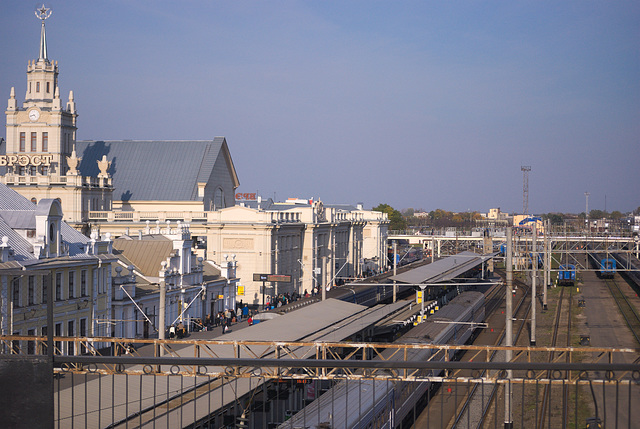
442 270
17 212
11 200
22 249
146 254
155 170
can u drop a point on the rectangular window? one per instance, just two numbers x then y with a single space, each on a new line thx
43 345
46 281
83 334
37 86
83 283
32 287
72 289
33 170
70 333
15 344
16 291
34 142
58 286
48 87
45 142
31 345
45 170
23 142
57 346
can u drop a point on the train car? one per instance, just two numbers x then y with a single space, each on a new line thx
385 404
539 257
607 268
566 275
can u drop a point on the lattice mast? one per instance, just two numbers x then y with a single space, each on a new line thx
525 189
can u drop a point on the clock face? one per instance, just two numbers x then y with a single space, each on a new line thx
34 115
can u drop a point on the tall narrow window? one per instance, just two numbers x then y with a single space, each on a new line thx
45 142
83 283
72 288
31 345
83 333
58 344
32 290
37 86
34 142
46 281
70 333
48 87
16 291
23 142
218 199
58 286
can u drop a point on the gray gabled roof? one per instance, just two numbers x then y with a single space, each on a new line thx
155 170
11 200
18 213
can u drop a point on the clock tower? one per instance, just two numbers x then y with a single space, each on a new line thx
42 126
40 159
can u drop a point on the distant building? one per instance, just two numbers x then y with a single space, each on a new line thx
194 288
316 245
40 253
39 159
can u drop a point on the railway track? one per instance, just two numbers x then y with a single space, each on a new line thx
518 314
545 409
627 310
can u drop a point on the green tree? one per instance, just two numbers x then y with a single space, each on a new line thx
616 215
396 221
554 218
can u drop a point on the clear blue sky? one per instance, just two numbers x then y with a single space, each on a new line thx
424 104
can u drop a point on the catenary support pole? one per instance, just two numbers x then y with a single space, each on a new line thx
162 318
395 269
534 276
547 263
508 339
324 278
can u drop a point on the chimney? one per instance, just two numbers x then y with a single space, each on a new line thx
4 249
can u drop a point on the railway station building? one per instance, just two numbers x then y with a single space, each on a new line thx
116 187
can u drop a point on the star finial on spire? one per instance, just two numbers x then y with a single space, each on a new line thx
43 13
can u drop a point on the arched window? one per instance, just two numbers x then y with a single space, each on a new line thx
218 199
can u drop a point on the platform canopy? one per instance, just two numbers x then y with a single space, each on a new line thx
444 269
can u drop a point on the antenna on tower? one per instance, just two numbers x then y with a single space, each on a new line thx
525 188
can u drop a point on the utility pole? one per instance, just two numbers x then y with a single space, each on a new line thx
525 189
395 269
586 213
547 263
161 310
324 276
508 339
534 275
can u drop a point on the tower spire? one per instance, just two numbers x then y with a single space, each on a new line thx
42 14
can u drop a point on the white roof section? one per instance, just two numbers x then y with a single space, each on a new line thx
443 270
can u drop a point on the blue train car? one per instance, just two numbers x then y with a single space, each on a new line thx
540 264
566 275
607 268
